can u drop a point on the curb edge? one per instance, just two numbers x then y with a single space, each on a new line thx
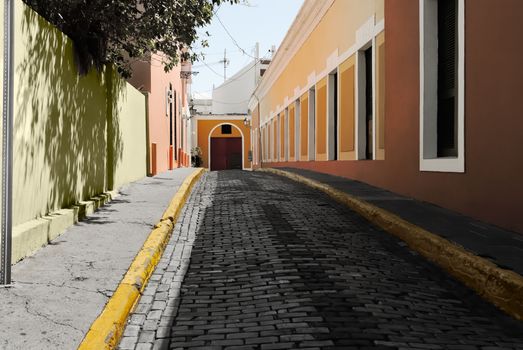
503 288
106 331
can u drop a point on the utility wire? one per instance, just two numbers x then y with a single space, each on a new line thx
206 64
212 70
230 35
220 53
229 81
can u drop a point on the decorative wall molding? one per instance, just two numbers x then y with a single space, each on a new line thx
367 33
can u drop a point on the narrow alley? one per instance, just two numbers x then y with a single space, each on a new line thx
261 174
257 261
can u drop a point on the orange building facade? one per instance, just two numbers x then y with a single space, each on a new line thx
224 141
397 94
168 113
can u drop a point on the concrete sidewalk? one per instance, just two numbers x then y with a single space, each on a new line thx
58 292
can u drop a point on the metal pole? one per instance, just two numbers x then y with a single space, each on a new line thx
7 144
224 64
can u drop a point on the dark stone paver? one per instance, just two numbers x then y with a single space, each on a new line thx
504 248
276 265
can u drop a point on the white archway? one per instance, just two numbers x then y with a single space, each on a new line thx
209 144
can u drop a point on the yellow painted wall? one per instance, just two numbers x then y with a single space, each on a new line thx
304 126
380 96
128 134
270 143
336 30
321 120
204 131
275 139
218 133
347 109
266 149
282 136
61 149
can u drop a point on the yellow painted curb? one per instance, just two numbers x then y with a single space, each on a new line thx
501 287
107 329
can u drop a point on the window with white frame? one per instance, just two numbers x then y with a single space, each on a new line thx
277 127
312 123
286 135
442 85
265 149
267 154
254 145
365 101
332 115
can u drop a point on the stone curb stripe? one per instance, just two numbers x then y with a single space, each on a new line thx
107 329
503 288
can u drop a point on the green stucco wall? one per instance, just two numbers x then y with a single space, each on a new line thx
128 134
74 136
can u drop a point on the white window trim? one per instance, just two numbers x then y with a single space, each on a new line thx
278 138
365 37
265 154
286 135
275 153
360 88
428 91
312 124
330 119
253 147
270 143
297 121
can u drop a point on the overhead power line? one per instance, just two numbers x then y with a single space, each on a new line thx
219 53
212 70
207 64
232 38
227 82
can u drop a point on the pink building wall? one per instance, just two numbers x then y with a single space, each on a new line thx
151 78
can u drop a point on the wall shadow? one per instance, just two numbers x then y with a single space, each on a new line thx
67 140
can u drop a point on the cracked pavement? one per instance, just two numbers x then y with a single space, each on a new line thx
58 292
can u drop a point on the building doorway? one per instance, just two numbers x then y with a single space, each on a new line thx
226 153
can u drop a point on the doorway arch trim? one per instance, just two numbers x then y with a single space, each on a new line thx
209 144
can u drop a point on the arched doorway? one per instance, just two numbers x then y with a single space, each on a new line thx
226 143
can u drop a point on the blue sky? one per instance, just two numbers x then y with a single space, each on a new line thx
263 21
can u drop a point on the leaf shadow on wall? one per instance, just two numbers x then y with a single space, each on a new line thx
67 140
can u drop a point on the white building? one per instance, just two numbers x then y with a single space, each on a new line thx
200 105
232 97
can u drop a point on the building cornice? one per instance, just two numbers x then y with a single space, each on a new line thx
220 117
309 16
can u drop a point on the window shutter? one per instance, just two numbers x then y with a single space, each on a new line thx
447 47
447 78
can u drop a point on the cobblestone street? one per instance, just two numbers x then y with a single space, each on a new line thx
260 262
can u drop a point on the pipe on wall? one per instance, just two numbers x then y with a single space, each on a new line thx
7 144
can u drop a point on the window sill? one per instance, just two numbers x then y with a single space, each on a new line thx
443 164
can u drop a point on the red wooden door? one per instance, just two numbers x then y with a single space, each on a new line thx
226 153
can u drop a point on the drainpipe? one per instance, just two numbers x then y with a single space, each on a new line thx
7 145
